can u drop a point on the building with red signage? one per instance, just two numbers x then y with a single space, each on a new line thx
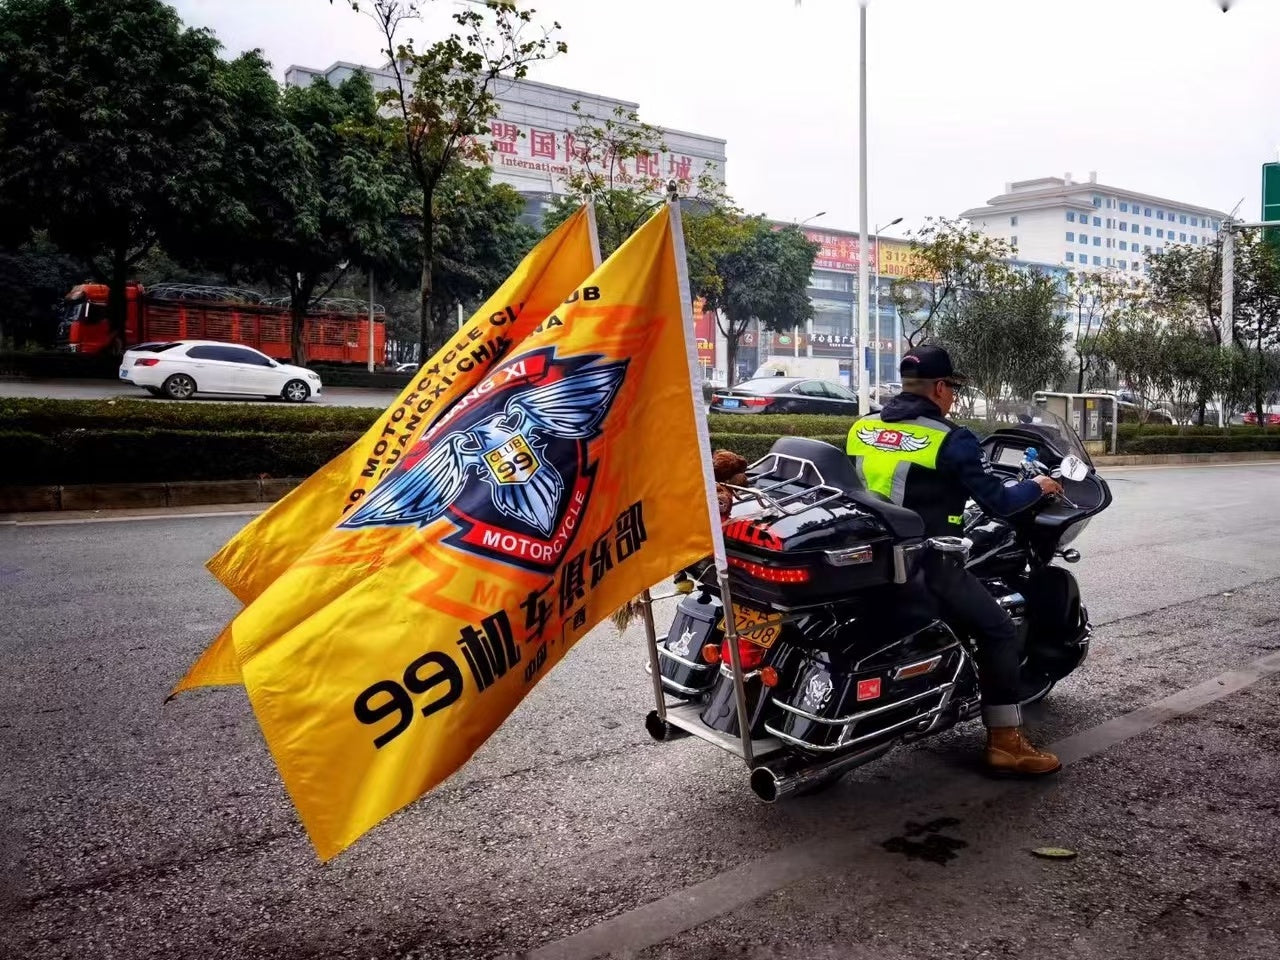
532 142
833 291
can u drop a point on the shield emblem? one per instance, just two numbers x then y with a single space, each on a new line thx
513 462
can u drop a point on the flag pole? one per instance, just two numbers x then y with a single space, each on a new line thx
593 232
709 482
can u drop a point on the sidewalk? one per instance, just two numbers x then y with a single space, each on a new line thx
1174 833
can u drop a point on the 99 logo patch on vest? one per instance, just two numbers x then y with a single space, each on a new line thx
893 441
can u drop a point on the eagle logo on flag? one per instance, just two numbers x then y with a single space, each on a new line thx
894 441
502 463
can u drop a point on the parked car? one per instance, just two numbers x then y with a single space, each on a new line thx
183 368
1270 417
787 395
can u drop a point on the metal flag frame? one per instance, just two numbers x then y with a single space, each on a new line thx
662 717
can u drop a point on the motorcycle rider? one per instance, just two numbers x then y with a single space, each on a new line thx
913 455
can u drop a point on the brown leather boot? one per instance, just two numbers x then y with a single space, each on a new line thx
1009 753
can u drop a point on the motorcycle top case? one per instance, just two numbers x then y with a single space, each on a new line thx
820 555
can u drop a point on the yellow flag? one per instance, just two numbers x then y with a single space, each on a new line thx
573 476
266 547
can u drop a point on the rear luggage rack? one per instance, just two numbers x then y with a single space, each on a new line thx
817 491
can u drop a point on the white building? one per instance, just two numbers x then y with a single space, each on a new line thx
533 147
1090 226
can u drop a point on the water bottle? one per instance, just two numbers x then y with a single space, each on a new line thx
1031 465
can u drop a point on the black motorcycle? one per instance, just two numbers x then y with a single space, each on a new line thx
839 654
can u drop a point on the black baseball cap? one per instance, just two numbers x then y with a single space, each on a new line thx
927 362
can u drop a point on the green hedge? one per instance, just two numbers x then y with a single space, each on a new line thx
1128 430
155 456
140 441
1219 443
51 417
60 364
355 376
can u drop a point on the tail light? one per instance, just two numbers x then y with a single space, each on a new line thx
146 361
756 401
749 655
759 571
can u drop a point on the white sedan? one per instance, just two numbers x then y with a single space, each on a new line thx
181 369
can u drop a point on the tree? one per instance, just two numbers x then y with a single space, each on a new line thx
955 259
1007 332
444 98
480 239
761 273
619 167
1187 281
317 182
1093 298
1135 345
108 126
34 277
1195 366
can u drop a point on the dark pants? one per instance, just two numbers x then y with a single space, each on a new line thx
967 605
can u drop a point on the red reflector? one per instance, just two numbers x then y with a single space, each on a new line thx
869 689
770 574
749 655
146 361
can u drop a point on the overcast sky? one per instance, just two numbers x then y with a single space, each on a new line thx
1169 97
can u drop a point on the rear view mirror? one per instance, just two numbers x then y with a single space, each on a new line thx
1073 468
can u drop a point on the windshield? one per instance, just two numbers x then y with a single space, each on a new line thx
1054 429
68 313
766 385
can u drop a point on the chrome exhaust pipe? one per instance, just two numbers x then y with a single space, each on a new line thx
776 781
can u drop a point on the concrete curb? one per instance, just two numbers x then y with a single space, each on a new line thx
206 492
113 496
1186 459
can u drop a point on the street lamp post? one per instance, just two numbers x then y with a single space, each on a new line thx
876 286
859 350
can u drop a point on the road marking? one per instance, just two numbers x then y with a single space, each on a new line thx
148 516
660 920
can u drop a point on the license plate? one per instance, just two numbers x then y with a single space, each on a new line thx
757 626
731 403
124 373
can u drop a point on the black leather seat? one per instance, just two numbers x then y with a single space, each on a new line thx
838 471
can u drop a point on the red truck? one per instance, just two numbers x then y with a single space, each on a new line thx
334 333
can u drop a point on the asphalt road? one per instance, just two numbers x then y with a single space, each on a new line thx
107 390
134 828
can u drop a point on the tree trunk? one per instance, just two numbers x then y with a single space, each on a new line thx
427 331
1080 377
301 289
297 321
731 355
117 302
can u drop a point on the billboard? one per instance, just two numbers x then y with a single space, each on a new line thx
840 251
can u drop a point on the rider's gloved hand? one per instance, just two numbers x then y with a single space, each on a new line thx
1048 486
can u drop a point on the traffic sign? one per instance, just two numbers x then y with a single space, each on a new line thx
1271 200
